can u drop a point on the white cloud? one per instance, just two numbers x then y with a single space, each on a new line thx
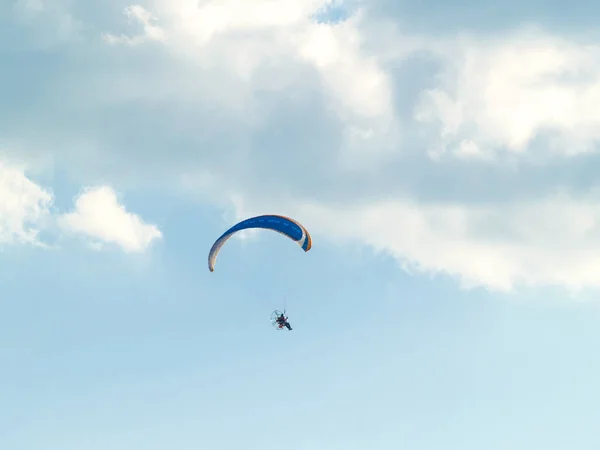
26 211
237 70
239 39
24 206
335 51
502 94
99 216
491 95
137 14
206 19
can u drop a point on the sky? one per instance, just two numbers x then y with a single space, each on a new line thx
443 155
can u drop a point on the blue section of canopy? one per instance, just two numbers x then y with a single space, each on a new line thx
281 224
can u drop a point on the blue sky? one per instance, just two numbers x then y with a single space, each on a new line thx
444 158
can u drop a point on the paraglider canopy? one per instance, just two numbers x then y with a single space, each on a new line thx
281 224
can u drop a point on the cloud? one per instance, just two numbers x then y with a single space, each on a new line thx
553 241
137 14
24 207
472 154
99 216
27 210
500 96
259 45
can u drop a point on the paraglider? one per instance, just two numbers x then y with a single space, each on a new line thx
279 320
281 224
